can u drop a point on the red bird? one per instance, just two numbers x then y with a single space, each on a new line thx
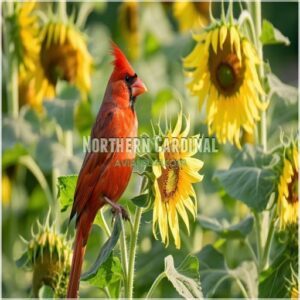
102 179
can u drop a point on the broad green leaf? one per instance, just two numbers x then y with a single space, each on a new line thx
66 191
284 91
187 287
141 200
251 178
214 271
270 35
108 273
17 131
62 111
236 231
105 251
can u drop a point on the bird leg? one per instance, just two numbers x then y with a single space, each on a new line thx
117 209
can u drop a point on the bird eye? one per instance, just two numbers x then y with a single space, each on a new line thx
127 78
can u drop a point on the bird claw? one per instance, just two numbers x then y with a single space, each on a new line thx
120 210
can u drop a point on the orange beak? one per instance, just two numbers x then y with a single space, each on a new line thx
138 87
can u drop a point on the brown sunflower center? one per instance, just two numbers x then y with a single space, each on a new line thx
59 62
202 7
226 70
168 181
293 189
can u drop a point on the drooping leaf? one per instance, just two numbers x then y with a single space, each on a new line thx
214 272
23 260
66 191
11 156
105 251
286 92
62 111
187 286
236 231
251 178
271 35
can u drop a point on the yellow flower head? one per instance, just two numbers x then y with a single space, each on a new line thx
63 56
287 202
175 173
25 31
129 18
222 69
191 15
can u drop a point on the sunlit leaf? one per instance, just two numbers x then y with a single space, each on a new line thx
284 91
271 35
66 191
187 286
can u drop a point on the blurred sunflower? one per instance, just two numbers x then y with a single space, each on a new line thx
174 174
6 190
63 56
294 293
25 30
222 68
128 19
191 15
48 255
287 202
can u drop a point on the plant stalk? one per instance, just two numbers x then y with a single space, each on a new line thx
124 256
154 285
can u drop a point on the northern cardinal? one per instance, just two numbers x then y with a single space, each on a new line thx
101 179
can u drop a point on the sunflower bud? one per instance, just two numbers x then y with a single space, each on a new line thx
48 256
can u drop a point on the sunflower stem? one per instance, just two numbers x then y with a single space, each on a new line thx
258 237
124 257
12 66
132 253
62 9
154 285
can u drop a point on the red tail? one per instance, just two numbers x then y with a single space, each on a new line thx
83 228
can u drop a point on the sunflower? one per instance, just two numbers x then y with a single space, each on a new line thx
191 15
63 56
287 202
25 29
175 172
129 18
294 293
222 69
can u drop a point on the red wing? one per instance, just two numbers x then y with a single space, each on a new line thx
94 165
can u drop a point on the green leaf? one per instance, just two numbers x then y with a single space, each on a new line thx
66 191
162 98
17 132
214 271
187 286
286 92
251 178
46 292
108 273
11 156
62 111
271 36
105 251
141 200
236 231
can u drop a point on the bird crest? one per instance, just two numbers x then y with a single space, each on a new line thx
121 64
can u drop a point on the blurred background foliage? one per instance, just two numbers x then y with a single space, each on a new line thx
149 34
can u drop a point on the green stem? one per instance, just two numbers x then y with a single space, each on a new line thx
267 248
248 245
62 9
258 236
105 226
124 256
242 288
257 24
132 253
154 285
32 166
69 142
12 66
